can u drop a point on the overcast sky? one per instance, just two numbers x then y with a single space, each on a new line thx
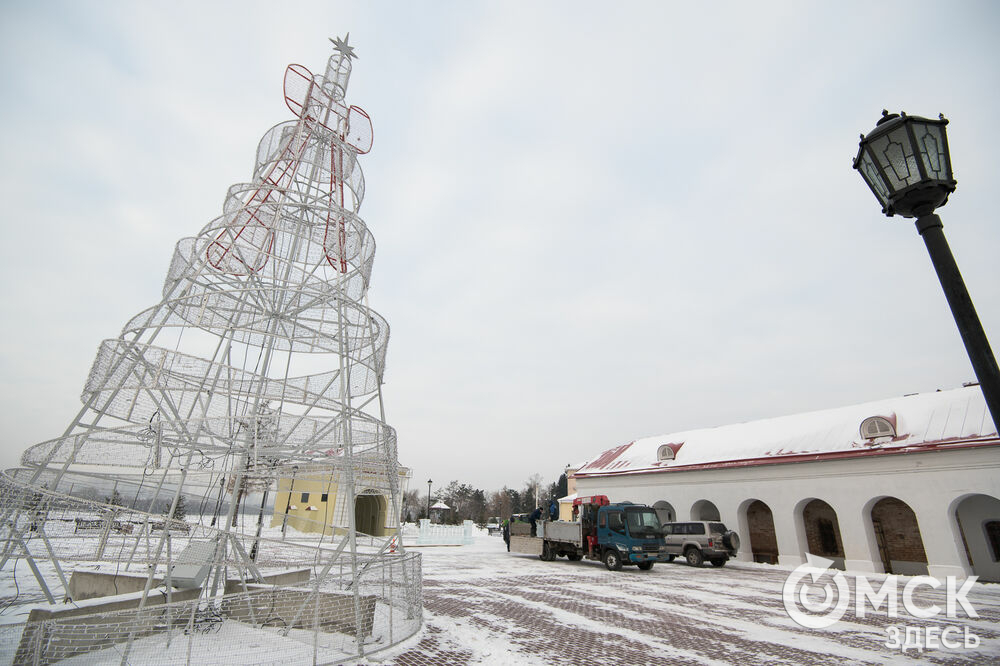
595 221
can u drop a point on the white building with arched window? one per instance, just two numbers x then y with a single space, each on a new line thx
908 485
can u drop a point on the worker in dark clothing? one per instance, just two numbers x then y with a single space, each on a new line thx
554 510
506 534
535 515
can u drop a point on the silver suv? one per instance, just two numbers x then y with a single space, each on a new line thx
698 541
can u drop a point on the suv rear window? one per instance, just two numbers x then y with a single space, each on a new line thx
692 528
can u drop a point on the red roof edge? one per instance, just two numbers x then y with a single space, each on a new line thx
809 457
608 457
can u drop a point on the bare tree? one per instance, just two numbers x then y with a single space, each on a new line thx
413 506
534 490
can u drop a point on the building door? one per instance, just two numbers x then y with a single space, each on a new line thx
883 553
897 535
763 542
370 514
823 532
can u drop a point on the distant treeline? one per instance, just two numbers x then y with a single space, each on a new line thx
468 503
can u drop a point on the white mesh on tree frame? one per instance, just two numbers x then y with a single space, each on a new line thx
213 395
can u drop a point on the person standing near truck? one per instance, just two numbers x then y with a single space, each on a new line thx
506 534
554 511
534 517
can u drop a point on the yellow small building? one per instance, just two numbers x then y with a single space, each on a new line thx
315 501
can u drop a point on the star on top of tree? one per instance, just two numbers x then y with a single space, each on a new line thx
342 46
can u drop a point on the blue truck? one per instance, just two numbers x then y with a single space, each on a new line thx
620 533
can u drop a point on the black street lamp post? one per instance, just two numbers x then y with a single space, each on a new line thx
429 482
905 162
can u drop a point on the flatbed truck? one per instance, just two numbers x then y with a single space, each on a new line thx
620 533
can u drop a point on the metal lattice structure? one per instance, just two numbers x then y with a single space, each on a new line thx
230 491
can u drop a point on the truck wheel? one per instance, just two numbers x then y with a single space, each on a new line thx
612 560
574 557
731 540
694 556
547 555
719 562
645 566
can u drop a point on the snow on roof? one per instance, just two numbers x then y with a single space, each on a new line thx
921 420
440 505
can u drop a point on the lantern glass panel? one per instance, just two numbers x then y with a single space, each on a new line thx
895 154
931 145
869 171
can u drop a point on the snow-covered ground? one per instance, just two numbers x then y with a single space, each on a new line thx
208 639
483 605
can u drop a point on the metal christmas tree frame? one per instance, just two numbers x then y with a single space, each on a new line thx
230 490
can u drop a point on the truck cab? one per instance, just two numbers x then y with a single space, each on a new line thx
630 533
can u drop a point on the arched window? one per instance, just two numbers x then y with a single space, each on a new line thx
877 426
665 452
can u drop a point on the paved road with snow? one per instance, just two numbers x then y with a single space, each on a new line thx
485 606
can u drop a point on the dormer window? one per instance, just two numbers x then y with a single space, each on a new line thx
877 426
667 451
